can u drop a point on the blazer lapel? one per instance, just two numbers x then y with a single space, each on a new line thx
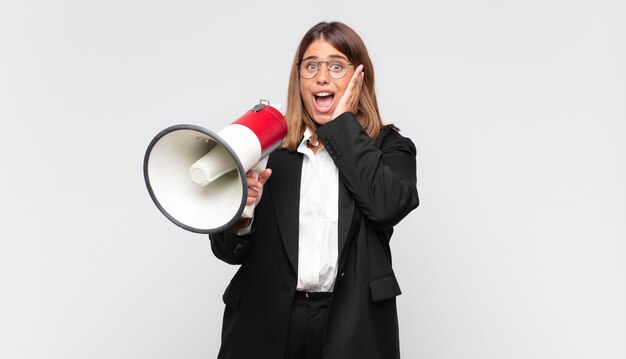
285 194
346 212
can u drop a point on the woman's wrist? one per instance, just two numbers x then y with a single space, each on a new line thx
240 224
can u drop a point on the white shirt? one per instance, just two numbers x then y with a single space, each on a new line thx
318 231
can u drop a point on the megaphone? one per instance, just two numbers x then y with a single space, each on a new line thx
197 178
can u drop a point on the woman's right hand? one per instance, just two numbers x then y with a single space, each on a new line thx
255 185
255 191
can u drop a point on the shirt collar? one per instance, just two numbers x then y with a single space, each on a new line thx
306 137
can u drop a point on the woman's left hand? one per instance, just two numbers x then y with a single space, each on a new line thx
349 102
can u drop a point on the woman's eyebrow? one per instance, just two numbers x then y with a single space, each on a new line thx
313 57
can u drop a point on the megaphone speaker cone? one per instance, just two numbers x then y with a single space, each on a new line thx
207 208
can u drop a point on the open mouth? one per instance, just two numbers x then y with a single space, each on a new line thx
323 101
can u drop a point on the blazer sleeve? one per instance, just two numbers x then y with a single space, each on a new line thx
229 247
381 175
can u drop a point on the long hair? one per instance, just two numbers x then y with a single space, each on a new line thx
348 42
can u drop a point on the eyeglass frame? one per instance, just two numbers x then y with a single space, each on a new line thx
299 63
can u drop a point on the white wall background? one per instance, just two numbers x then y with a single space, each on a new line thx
518 109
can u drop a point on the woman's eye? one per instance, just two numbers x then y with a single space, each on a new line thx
311 67
336 66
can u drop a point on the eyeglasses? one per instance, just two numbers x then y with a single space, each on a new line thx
336 68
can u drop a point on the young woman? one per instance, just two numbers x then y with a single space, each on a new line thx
316 279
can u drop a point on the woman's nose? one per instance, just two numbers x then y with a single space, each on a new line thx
322 75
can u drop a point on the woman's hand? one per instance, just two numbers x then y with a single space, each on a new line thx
255 191
349 102
255 185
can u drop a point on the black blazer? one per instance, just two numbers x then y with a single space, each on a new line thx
377 189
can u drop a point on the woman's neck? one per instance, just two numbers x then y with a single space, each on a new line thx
314 145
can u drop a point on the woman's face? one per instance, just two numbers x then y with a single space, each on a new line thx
321 93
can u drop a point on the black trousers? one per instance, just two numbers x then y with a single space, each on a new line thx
309 315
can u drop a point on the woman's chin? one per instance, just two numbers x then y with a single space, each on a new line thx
322 119
323 116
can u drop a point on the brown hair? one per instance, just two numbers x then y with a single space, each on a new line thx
347 41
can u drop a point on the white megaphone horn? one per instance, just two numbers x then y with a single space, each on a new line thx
197 178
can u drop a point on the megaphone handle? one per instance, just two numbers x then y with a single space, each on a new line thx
248 210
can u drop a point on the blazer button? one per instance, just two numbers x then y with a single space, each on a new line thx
238 249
